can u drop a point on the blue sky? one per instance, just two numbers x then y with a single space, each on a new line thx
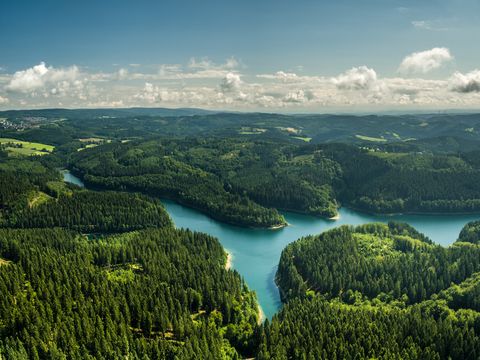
116 49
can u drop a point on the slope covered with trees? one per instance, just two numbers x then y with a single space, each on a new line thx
150 169
470 233
92 211
239 181
375 291
393 260
320 329
158 294
132 287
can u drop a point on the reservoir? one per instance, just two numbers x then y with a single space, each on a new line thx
256 252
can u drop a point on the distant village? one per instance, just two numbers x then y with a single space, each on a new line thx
27 122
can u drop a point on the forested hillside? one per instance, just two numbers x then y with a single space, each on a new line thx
157 294
251 164
78 283
240 181
61 126
101 273
376 291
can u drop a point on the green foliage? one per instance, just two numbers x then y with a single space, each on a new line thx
374 259
375 291
470 233
465 295
91 211
129 295
319 329
152 168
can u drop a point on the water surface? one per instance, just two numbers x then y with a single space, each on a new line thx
256 252
69 177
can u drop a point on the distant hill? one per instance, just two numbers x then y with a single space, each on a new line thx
121 112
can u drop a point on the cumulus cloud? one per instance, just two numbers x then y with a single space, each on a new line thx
150 93
231 83
466 83
280 75
425 61
357 78
298 96
41 76
122 74
202 83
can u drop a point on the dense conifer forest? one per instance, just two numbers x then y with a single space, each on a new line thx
243 181
376 291
105 275
102 273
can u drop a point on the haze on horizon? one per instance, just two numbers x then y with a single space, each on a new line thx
303 56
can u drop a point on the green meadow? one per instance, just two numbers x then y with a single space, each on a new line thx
25 148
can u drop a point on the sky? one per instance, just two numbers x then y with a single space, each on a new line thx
263 55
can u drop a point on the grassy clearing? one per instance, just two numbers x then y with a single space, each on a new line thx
92 140
387 155
88 146
38 198
25 148
306 139
59 187
307 158
369 138
245 130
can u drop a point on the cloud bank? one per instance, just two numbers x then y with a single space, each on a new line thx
226 85
466 83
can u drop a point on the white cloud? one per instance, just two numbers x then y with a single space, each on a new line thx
122 74
425 61
231 83
169 70
150 93
201 83
466 83
280 75
433 25
298 96
422 24
40 77
357 78
207 64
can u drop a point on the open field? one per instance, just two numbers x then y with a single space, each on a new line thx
306 139
25 148
369 138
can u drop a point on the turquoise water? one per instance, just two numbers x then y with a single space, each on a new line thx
256 252
69 177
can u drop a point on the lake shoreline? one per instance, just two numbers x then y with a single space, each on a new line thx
255 252
416 213
228 263
261 314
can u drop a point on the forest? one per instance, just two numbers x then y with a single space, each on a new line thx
102 273
105 275
376 291
244 182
